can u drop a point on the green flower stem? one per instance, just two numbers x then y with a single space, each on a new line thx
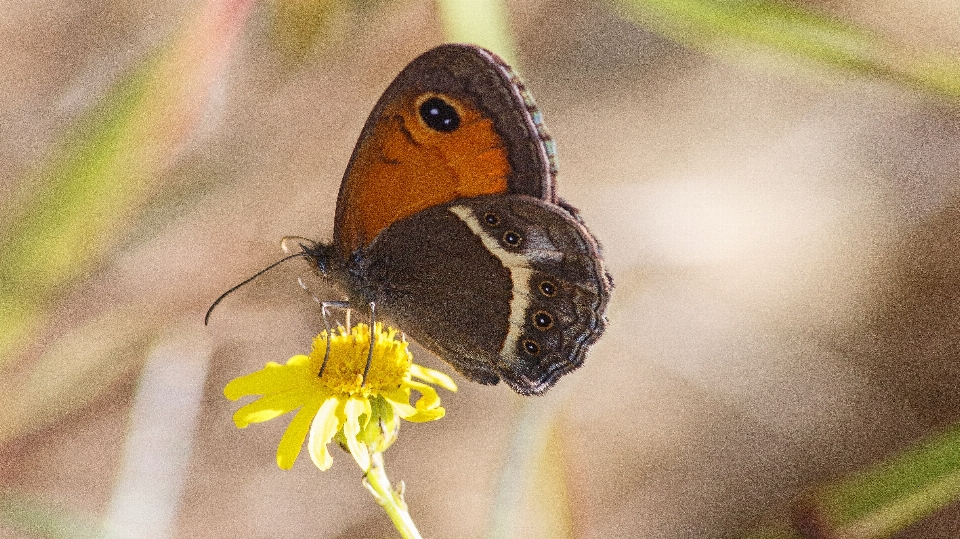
392 502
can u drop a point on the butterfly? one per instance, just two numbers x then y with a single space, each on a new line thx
449 227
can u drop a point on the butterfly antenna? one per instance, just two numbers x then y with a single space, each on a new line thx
304 254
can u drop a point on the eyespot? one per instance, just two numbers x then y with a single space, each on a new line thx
439 115
531 347
542 320
491 219
511 238
547 288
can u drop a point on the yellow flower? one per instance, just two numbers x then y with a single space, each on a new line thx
362 418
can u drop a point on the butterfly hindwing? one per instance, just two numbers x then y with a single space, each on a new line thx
503 287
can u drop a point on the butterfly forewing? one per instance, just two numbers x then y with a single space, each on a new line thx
455 123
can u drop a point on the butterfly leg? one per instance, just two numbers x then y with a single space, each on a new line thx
324 305
373 324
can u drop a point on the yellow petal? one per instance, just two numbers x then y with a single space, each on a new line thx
273 378
426 415
431 376
399 399
428 396
270 407
300 361
324 428
292 440
352 410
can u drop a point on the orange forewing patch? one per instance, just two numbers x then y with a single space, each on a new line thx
404 167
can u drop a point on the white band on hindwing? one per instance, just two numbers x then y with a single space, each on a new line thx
520 274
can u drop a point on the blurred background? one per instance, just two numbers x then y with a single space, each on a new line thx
775 187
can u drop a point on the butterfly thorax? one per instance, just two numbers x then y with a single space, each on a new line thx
326 259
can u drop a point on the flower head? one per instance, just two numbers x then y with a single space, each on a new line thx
362 416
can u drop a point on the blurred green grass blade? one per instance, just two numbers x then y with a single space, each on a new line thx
533 498
551 485
59 230
783 531
514 477
83 196
83 189
881 501
35 518
480 22
298 26
886 499
718 25
75 369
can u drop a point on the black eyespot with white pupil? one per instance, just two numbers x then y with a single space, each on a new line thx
439 115
491 219
531 347
542 320
548 289
511 238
